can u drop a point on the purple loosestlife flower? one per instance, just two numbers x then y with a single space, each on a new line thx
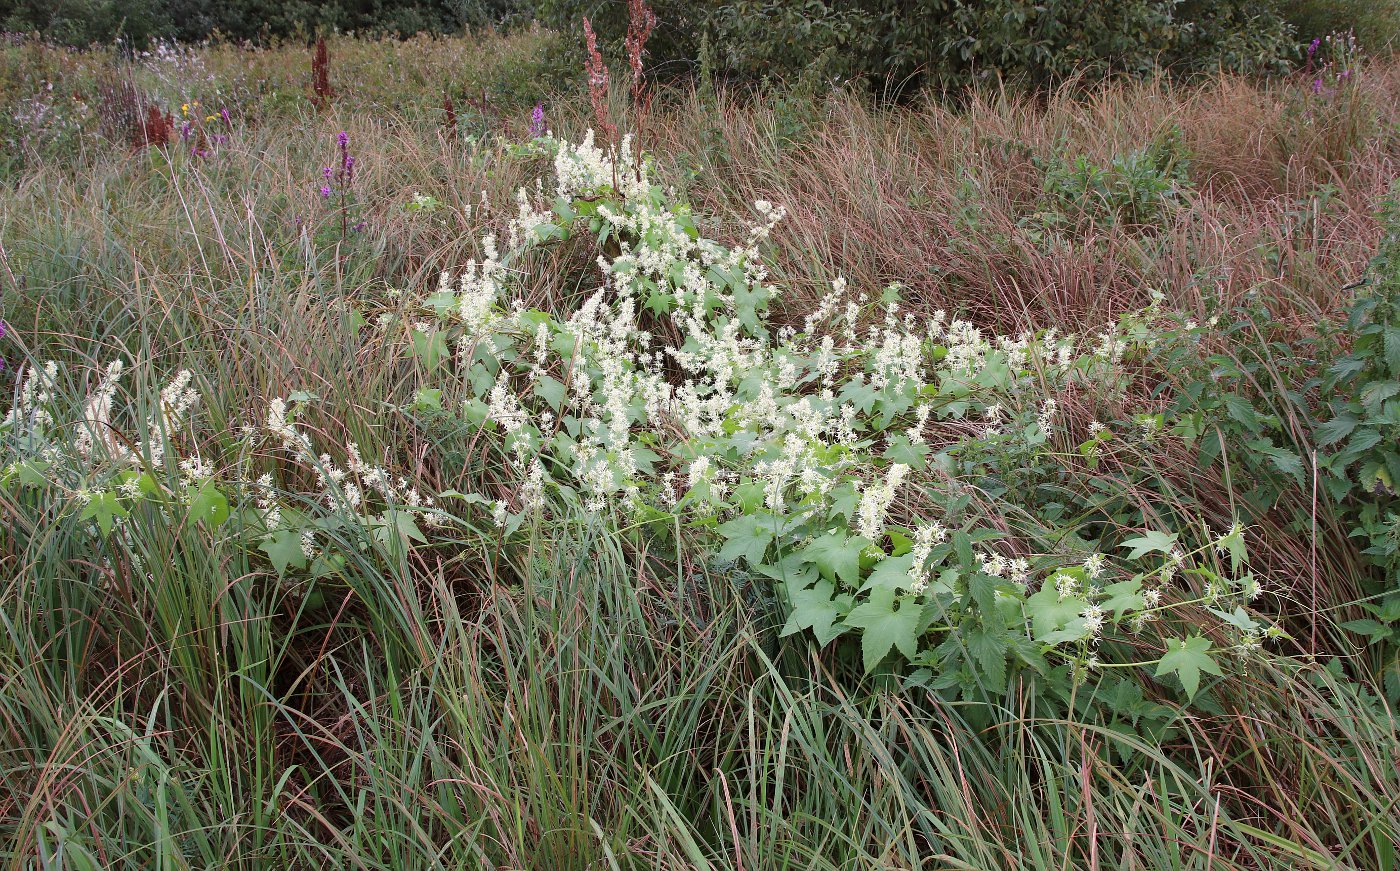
327 171
223 113
1314 46
325 191
537 121
343 139
1317 85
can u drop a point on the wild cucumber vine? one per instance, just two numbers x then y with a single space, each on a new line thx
837 459
818 457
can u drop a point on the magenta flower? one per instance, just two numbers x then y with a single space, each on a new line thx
537 121
325 191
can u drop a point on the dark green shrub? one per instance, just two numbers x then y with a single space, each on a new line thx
896 43
80 22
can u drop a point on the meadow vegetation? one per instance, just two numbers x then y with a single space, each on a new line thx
468 462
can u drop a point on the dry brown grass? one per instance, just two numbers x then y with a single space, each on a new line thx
938 197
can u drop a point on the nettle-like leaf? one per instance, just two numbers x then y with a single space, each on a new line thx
988 646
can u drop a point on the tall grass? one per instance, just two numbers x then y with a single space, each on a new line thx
586 701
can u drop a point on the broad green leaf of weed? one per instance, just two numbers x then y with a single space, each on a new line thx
887 623
1187 658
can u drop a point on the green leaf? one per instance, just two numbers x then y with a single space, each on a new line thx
1363 439
837 556
816 609
1150 542
427 399
887 624
901 451
208 504
1123 596
1241 411
891 573
552 391
1288 463
1374 630
1049 614
1335 430
982 589
962 546
745 536
31 473
431 348
104 508
988 646
1187 658
1239 618
1392 349
791 570
403 523
283 548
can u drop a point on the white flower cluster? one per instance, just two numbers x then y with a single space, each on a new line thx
344 489
796 407
97 415
30 411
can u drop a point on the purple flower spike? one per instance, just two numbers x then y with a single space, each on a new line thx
343 138
1314 46
325 191
327 171
537 121
223 113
